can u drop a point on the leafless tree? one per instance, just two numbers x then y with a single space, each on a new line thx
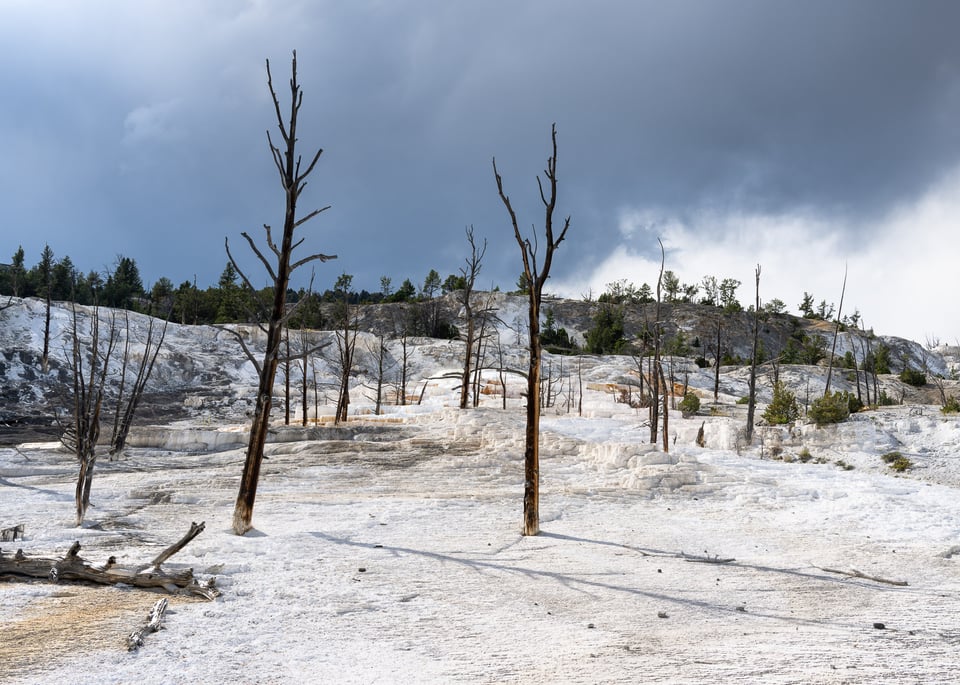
469 272
656 372
90 367
382 363
346 337
536 276
836 334
293 181
127 405
752 398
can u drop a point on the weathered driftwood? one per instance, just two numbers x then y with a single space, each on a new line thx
10 534
705 560
854 573
73 567
153 624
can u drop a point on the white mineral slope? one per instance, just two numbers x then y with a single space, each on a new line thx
396 557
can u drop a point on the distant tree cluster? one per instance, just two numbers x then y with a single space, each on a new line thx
230 301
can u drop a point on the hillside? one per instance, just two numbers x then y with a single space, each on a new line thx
387 549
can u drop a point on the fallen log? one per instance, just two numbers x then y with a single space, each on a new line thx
854 573
153 624
73 568
705 559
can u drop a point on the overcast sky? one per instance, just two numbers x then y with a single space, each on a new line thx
802 136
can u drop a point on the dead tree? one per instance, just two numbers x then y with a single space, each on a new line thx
836 334
89 368
346 336
536 276
293 181
71 567
127 407
752 399
656 372
382 363
716 361
469 273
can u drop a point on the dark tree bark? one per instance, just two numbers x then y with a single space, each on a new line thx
655 371
127 408
469 272
536 276
752 399
293 181
90 369
836 334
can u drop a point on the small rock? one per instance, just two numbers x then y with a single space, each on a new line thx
662 614
362 569
879 626
741 608
590 625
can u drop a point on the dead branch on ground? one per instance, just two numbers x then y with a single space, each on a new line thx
72 567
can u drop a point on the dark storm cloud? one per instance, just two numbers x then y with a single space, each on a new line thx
145 121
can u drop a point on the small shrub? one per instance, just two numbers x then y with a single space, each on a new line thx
913 377
831 408
951 406
783 408
701 362
743 400
844 465
690 404
890 457
886 401
901 464
804 455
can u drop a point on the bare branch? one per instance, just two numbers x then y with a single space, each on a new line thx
256 251
243 345
312 258
276 104
309 216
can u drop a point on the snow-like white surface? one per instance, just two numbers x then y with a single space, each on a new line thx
388 550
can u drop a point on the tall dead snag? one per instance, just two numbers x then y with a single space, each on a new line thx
836 334
469 273
536 275
656 371
89 368
752 399
127 405
293 181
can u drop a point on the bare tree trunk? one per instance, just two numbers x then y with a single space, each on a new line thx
655 365
716 363
286 378
126 411
666 412
89 381
535 279
836 334
752 399
293 180
469 273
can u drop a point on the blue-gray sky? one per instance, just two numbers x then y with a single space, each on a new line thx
802 136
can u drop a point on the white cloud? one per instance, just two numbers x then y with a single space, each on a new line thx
902 271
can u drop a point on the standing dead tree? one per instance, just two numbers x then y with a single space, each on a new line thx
346 337
656 369
836 334
752 399
536 275
293 181
89 368
127 405
469 273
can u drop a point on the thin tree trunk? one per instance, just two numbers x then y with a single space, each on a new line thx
752 400
836 334
292 180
